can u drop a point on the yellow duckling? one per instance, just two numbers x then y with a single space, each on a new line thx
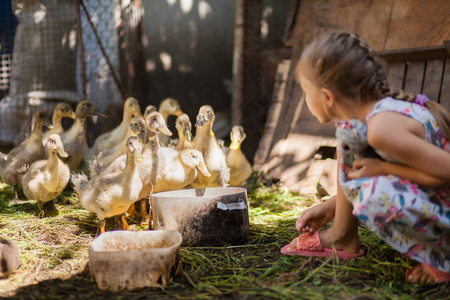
26 153
62 110
111 194
214 157
154 123
184 127
240 168
74 139
111 138
168 107
106 157
45 179
178 171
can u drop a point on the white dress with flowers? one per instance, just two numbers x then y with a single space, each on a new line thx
414 220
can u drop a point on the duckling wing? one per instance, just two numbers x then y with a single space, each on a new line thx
172 174
99 144
108 195
80 183
118 165
15 162
36 176
240 168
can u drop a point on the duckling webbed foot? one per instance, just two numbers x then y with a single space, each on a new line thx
125 226
144 214
133 213
50 206
102 224
116 223
16 196
41 210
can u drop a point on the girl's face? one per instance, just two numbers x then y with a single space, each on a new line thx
315 99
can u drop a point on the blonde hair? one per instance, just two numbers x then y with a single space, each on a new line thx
345 64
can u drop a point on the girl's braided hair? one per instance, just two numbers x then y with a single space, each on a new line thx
344 63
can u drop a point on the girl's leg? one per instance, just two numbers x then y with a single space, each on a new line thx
343 233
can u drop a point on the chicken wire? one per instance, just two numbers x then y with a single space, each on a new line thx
101 87
8 23
111 42
41 64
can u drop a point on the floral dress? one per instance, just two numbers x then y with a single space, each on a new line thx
414 220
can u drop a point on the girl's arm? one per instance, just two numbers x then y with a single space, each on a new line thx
403 138
368 167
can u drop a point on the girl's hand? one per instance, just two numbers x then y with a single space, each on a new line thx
315 217
367 167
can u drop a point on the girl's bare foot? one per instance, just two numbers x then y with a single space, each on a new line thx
424 274
317 216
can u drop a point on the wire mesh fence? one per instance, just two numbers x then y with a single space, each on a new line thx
8 23
61 51
41 63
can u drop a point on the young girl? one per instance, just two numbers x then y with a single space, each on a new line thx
404 198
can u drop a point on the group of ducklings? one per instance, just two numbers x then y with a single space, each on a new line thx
127 164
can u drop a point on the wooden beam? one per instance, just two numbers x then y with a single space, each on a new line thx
416 54
238 64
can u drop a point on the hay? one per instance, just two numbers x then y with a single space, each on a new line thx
54 259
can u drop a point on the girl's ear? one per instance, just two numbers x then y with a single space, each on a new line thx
329 97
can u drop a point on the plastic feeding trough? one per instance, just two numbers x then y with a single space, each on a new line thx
128 260
204 217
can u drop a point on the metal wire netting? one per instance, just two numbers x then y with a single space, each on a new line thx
8 23
101 86
110 42
41 64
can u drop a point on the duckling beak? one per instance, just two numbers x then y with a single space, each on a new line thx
138 156
200 121
187 134
235 143
61 152
72 115
48 125
164 130
141 136
138 114
179 112
97 113
202 168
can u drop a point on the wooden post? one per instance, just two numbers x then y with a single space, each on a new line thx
81 45
238 64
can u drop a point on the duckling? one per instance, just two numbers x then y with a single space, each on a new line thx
240 168
45 179
154 123
214 157
179 171
168 107
26 153
111 194
184 126
106 157
74 139
62 110
111 138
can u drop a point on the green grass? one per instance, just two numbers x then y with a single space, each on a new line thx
55 259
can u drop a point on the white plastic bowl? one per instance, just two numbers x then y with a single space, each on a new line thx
128 260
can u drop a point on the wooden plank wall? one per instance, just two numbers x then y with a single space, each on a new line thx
385 25
421 70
